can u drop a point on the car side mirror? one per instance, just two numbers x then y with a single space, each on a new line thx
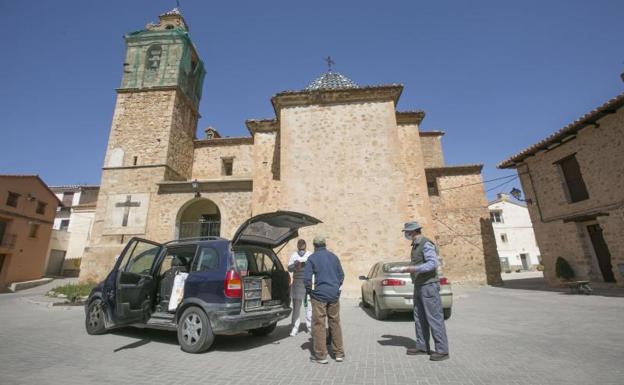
362 278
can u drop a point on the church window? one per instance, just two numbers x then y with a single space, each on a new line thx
227 166
135 160
432 187
152 59
504 238
64 225
12 199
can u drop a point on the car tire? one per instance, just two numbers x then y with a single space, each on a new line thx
94 319
263 331
364 304
380 314
447 313
194 332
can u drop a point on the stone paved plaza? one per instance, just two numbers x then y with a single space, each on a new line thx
520 334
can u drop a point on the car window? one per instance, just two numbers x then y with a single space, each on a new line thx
207 260
387 266
142 262
372 270
183 253
255 262
264 263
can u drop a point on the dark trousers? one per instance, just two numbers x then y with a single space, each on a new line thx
429 318
321 311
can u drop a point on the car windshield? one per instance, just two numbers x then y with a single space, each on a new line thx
387 266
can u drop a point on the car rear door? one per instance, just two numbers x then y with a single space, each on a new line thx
135 284
271 230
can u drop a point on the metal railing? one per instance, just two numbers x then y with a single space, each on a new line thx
199 229
7 240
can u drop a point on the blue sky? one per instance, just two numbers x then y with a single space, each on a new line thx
497 76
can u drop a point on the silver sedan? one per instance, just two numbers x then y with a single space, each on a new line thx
394 292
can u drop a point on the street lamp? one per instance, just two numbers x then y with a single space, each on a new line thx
195 186
516 193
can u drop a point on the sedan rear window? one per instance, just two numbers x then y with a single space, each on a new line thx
387 266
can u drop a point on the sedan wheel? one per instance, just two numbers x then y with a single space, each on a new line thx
194 331
380 314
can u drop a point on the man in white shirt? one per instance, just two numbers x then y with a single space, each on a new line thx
297 289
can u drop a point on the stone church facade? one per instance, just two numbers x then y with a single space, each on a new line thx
335 150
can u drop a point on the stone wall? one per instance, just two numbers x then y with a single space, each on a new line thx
340 163
464 231
183 124
431 144
208 160
141 128
266 172
599 152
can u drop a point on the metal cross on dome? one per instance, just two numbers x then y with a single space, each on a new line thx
329 62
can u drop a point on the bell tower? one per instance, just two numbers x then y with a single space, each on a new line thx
151 136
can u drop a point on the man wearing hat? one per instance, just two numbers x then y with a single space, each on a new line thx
428 313
324 266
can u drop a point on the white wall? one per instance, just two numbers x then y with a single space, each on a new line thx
519 230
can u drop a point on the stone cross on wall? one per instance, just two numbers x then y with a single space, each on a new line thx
127 204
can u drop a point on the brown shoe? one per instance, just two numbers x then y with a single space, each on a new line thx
435 356
415 352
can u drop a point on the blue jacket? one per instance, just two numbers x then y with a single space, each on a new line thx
328 275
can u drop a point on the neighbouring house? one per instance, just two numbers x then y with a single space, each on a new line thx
27 208
72 228
336 150
515 240
574 186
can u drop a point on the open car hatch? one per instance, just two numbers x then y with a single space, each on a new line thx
272 229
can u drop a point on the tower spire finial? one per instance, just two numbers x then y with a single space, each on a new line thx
329 62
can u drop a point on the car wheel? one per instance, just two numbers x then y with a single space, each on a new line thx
263 331
364 304
447 313
194 331
380 314
94 320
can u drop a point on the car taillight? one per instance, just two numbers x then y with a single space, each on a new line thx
444 281
392 282
233 285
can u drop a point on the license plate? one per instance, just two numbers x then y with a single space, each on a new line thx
409 301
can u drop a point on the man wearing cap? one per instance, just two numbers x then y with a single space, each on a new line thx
328 275
428 312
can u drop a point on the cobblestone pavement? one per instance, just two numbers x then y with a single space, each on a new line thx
497 336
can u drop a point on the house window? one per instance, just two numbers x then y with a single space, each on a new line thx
432 187
504 238
496 216
34 229
228 165
12 199
68 198
574 180
64 225
41 206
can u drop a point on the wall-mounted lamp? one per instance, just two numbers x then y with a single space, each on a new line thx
195 186
516 193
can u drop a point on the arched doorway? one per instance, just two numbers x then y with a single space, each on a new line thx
199 218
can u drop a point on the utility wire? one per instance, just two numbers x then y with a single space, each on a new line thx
501 185
483 182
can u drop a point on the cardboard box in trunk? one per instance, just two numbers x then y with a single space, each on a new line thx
266 289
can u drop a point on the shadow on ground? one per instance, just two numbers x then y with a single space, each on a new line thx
392 317
392 340
540 284
231 343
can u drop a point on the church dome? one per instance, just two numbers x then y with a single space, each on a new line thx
331 81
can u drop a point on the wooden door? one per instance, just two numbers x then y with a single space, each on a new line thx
602 252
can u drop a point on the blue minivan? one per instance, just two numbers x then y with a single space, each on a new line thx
229 287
